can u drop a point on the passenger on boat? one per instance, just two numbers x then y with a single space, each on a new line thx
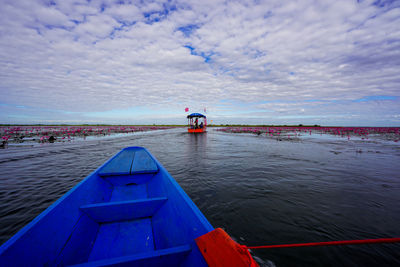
201 125
196 123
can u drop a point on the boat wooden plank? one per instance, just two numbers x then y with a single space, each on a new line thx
122 239
163 257
120 164
123 210
121 180
143 163
121 193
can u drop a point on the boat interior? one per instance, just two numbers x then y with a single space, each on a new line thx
128 212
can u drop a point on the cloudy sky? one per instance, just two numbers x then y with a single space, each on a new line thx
266 62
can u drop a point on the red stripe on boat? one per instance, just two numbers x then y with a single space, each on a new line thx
219 249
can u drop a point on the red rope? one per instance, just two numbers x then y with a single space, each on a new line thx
331 243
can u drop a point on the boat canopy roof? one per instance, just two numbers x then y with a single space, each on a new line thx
194 115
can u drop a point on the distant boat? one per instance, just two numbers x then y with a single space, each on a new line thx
193 123
128 212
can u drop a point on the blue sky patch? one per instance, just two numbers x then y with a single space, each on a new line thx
206 56
383 3
154 16
160 15
191 48
188 29
103 7
76 22
376 98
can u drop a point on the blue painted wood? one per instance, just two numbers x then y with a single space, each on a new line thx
130 161
140 218
122 193
183 228
166 257
143 163
123 239
119 165
123 210
121 180
80 243
41 241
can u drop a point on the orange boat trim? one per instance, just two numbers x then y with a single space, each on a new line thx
219 249
201 130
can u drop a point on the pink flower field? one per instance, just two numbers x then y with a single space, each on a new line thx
42 134
287 133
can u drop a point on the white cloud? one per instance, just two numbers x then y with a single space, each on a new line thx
51 16
125 13
103 55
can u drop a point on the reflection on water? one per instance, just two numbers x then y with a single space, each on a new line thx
260 190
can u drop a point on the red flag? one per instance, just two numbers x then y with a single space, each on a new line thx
186 109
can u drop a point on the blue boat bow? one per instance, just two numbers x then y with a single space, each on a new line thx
130 211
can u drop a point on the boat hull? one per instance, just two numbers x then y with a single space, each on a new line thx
201 130
129 211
